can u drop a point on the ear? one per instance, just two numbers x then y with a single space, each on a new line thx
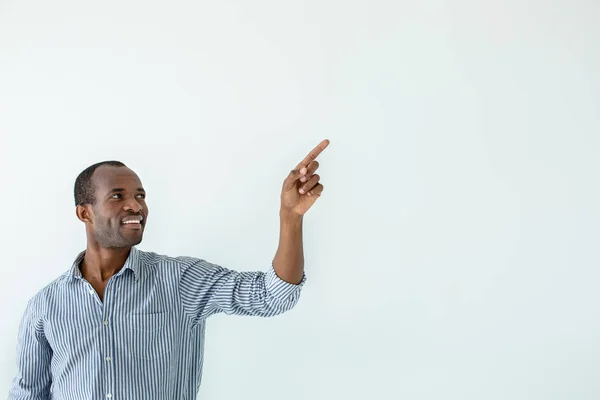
84 213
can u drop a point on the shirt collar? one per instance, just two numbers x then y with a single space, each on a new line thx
132 263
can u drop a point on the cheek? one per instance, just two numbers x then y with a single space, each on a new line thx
104 223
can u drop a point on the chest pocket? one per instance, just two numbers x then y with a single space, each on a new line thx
150 336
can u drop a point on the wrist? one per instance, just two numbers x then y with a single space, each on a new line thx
289 216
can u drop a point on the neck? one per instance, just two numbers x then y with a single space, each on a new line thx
99 264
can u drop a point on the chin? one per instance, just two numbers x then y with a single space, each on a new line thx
123 243
135 242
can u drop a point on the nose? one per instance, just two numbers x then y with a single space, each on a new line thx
134 206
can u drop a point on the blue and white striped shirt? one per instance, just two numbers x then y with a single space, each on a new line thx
146 340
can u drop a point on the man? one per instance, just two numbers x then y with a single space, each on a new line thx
126 324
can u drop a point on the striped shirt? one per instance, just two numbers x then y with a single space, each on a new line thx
146 340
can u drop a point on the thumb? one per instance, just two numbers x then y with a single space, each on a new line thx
290 181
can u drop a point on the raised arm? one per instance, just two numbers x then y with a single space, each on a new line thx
300 191
207 288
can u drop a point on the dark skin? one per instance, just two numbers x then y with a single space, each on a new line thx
120 198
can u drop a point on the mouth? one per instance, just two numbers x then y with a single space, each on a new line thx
132 222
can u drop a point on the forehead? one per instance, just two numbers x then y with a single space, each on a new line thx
108 177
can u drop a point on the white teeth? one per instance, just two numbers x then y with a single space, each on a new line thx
131 222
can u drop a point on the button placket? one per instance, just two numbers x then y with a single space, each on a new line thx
107 339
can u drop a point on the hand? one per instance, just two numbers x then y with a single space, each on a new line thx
302 188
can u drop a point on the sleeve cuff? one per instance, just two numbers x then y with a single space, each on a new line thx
279 288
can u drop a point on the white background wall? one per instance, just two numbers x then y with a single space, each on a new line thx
454 253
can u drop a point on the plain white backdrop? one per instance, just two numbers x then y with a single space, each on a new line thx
454 253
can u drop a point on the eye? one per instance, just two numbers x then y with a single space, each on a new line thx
116 194
142 195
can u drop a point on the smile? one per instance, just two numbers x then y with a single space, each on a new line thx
137 220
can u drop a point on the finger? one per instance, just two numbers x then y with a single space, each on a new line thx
292 178
312 182
312 168
317 191
314 154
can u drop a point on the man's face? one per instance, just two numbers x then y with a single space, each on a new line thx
120 212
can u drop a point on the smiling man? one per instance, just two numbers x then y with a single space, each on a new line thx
122 323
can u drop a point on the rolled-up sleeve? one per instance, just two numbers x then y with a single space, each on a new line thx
206 289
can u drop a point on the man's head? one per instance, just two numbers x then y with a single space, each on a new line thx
110 200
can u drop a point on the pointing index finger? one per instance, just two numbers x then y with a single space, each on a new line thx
314 154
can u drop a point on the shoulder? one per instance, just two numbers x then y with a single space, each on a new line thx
38 304
161 263
150 258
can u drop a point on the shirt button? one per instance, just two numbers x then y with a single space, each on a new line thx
92 291
108 359
109 396
106 322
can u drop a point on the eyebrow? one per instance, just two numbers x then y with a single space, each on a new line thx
122 190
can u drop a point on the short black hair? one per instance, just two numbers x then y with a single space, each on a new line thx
84 187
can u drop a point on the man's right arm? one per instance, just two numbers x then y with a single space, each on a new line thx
33 379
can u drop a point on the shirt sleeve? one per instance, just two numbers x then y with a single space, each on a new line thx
33 379
206 289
